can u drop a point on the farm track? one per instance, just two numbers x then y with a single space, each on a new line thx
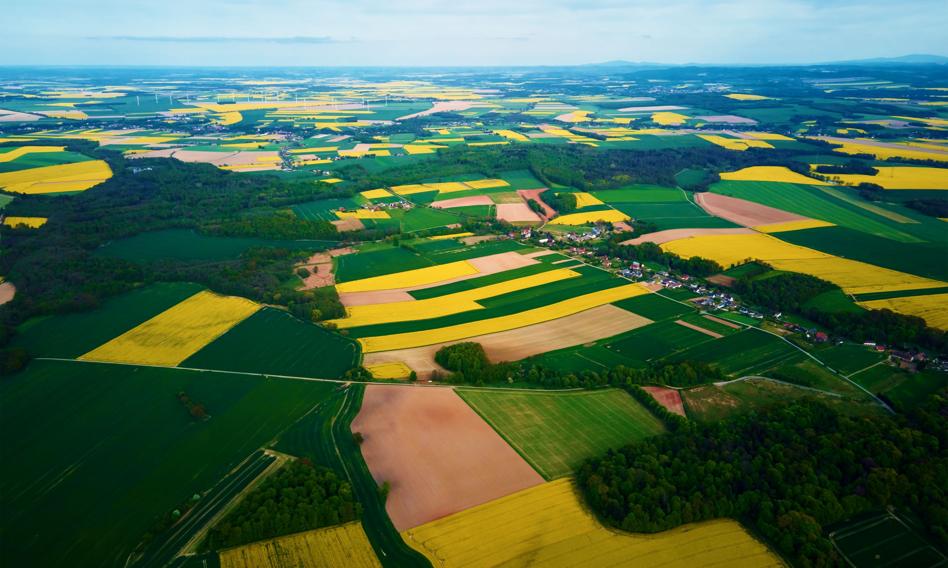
162 552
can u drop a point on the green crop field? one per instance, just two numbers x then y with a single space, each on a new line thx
651 211
849 358
186 244
555 432
883 539
378 262
521 179
274 342
322 209
95 454
746 353
424 218
658 340
481 281
42 160
73 334
641 194
811 202
655 307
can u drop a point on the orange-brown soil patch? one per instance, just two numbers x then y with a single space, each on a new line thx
478 239
669 398
515 344
669 235
7 292
743 212
699 329
350 224
534 195
730 324
462 202
722 280
438 456
442 106
516 212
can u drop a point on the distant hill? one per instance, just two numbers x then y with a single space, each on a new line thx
913 59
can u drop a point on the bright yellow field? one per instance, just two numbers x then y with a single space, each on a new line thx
932 308
228 118
362 214
31 222
52 179
502 323
884 153
422 148
770 173
343 545
768 136
449 304
609 215
314 150
176 333
383 371
24 150
739 144
548 526
512 135
746 97
669 118
792 226
584 199
416 277
852 276
486 183
451 236
376 193
449 186
901 177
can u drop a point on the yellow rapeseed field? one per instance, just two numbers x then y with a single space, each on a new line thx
770 173
31 222
769 136
900 177
502 323
746 97
314 150
451 236
389 371
584 199
852 276
376 193
449 304
228 118
864 146
793 226
176 333
53 179
361 213
609 215
512 135
547 525
408 278
669 118
342 545
24 150
421 148
739 144
449 186
933 308
486 183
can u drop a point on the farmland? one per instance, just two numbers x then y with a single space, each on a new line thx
548 525
333 546
555 432
884 538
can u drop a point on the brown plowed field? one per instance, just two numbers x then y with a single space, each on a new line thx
669 398
462 202
669 235
699 329
437 454
743 212
516 212
534 195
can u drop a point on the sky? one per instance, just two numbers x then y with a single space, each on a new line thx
463 32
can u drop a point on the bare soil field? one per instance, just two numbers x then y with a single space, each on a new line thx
669 398
516 212
655 108
722 321
515 344
437 454
699 329
478 239
534 195
320 267
669 235
442 106
727 119
743 212
15 116
7 292
722 280
350 224
462 202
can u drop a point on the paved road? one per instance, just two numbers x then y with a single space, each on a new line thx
166 546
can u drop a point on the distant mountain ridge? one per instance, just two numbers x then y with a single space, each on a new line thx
911 59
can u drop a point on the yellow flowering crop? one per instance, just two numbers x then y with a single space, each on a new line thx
31 222
900 177
176 333
584 199
770 173
78 176
340 545
932 308
408 278
363 214
746 97
792 226
669 118
739 144
24 150
376 193
394 370
608 215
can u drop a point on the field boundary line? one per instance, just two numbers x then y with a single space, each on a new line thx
777 381
876 364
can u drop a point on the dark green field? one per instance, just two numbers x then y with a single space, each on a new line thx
185 244
274 342
71 335
479 282
95 454
555 432
656 341
849 358
41 160
746 353
883 539
378 262
424 218
641 194
321 210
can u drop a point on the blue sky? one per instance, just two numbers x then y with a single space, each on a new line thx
462 32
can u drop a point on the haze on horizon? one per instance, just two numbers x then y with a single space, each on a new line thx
463 32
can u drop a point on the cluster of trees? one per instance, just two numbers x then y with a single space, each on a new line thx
788 473
195 409
298 497
281 225
850 167
786 291
930 207
562 203
695 266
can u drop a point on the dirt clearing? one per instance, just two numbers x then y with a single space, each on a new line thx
516 212
515 344
722 280
743 212
669 398
669 235
350 224
7 292
320 268
699 329
437 454
442 106
534 195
